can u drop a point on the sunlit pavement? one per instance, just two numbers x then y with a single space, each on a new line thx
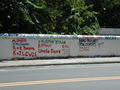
64 77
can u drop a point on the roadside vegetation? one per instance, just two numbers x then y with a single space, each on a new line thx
83 17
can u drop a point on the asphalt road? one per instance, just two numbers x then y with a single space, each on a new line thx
64 77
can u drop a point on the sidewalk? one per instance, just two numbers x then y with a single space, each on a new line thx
69 61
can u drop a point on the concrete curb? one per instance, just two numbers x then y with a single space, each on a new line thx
48 62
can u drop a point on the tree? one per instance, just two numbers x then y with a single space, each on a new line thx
82 20
14 17
48 17
112 13
108 12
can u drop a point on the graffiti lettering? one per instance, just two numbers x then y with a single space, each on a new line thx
47 46
64 46
84 48
21 53
20 44
21 40
60 42
99 44
44 51
110 37
87 42
55 51
52 41
44 45
52 51
66 51
23 48
46 41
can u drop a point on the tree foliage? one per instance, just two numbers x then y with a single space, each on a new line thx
47 17
108 12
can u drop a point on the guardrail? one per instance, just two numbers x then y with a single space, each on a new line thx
29 46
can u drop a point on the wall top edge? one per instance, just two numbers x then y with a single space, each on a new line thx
5 35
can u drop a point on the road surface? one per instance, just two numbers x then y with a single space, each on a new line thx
64 77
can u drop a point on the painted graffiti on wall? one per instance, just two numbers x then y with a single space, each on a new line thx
21 47
53 46
110 37
86 43
32 46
